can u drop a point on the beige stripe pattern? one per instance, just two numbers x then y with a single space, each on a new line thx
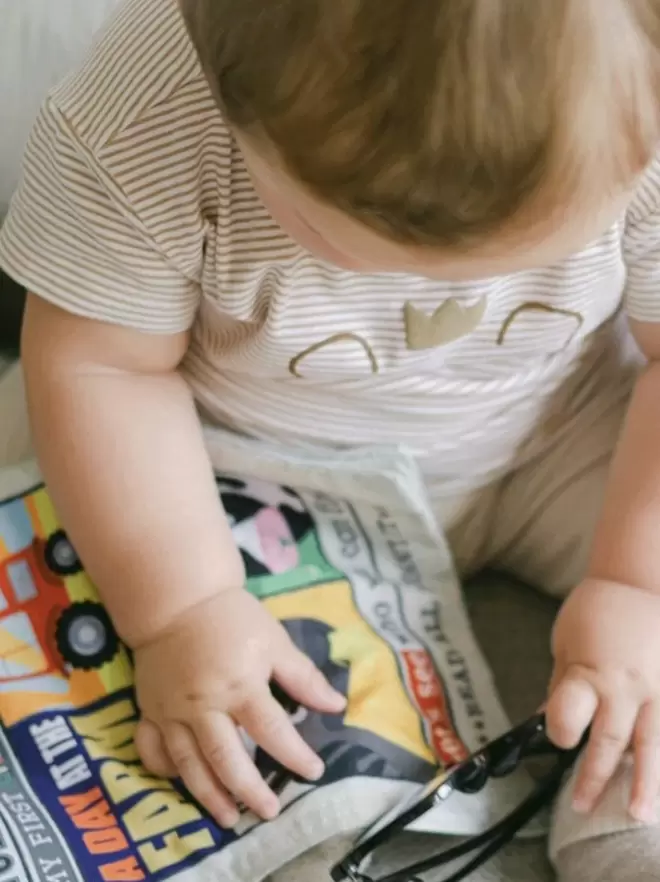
135 208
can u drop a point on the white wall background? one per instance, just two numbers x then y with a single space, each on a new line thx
40 40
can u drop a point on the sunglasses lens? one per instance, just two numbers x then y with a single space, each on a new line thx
505 757
527 741
472 776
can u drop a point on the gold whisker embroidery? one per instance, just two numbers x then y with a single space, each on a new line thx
295 362
536 306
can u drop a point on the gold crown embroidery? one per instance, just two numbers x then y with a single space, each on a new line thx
450 321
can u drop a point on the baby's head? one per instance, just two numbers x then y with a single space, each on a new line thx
449 138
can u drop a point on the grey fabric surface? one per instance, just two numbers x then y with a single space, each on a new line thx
512 623
621 857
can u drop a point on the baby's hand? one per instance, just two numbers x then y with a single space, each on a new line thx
606 645
208 674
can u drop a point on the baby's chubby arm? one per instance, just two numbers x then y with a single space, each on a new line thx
119 442
606 639
627 543
120 445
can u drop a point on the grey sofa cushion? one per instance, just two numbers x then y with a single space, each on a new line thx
512 623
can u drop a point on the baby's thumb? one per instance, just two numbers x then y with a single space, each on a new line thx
297 674
571 707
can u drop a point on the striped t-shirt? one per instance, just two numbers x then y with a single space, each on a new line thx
135 207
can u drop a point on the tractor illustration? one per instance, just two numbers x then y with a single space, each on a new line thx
42 635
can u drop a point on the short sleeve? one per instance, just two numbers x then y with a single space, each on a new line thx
641 249
73 238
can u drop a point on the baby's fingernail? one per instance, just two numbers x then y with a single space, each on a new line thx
645 814
317 770
581 805
338 700
271 809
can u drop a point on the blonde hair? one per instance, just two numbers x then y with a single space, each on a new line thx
439 121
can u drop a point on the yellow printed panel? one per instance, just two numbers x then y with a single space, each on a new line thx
377 699
44 518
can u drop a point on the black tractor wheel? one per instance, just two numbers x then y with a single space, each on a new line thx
61 557
85 636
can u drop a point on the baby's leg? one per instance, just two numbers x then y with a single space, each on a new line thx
620 857
547 512
607 846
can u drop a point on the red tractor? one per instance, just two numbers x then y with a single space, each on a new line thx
42 635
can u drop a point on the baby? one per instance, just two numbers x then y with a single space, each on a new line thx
347 223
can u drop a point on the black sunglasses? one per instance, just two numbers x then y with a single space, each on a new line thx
497 760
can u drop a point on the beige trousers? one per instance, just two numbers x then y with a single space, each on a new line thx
537 522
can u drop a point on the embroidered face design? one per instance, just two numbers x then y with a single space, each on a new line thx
339 239
354 341
267 524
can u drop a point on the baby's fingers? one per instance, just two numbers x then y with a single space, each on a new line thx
300 678
269 726
646 780
570 709
196 775
153 753
611 734
226 755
